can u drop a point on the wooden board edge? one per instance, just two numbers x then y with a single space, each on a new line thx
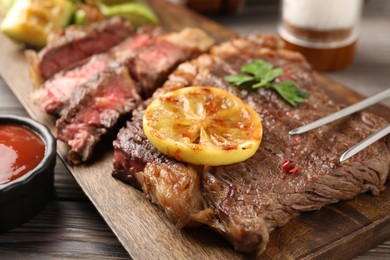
363 240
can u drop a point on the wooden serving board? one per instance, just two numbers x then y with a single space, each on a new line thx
337 231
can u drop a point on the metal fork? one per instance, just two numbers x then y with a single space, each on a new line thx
345 112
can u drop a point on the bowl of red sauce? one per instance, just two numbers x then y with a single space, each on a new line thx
27 160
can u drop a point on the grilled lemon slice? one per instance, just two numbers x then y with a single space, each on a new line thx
203 125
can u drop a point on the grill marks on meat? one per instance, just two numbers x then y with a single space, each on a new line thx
246 201
76 43
96 107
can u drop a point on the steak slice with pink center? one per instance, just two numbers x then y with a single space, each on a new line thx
54 95
95 109
76 43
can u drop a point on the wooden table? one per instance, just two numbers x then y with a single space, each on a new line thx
70 227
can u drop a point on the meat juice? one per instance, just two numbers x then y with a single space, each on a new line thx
325 32
21 150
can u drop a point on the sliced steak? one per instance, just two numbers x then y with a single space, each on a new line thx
76 43
152 64
246 201
95 108
54 94
127 49
149 54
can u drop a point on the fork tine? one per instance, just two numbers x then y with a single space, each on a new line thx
364 143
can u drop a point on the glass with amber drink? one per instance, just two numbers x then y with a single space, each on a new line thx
325 32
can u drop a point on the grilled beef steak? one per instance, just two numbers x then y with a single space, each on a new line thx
76 43
246 201
95 108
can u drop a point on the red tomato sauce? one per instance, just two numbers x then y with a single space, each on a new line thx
21 150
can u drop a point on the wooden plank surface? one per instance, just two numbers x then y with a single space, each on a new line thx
144 230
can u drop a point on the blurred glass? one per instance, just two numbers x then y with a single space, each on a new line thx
325 32
178 2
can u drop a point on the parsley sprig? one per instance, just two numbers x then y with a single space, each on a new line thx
260 73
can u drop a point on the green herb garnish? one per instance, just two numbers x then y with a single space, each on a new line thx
260 73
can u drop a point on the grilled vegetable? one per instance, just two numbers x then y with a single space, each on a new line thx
87 13
136 12
31 21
